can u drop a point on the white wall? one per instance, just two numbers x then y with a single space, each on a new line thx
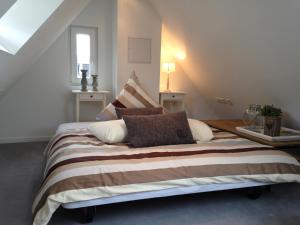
244 50
41 99
137 18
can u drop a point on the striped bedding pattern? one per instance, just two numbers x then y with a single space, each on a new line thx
131 96
80 167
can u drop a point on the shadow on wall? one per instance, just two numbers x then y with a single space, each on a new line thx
197 102
205 74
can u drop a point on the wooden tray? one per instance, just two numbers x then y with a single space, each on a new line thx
286 134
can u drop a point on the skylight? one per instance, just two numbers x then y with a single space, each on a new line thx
22 20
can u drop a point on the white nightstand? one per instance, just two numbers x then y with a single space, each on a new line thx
89 96
173 101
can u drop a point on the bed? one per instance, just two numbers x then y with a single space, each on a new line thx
81 171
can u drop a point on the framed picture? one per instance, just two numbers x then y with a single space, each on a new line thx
139 50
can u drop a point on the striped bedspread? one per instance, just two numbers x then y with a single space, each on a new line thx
80 167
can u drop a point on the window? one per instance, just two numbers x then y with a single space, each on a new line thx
22 20
83 52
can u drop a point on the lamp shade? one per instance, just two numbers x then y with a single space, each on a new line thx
168 67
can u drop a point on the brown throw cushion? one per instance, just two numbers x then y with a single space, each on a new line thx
138 111
154 130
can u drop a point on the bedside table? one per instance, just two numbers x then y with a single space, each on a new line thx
89 96
292 147
173 101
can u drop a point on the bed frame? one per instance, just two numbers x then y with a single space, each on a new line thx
253 191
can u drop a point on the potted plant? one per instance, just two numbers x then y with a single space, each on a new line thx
272 120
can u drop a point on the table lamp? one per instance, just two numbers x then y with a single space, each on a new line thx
168 67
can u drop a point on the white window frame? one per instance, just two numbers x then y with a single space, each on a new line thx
93 33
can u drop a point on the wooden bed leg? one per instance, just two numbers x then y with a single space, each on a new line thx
88 214
254 193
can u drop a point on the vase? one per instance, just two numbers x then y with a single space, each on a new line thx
251 116
95 82
272 125
84 81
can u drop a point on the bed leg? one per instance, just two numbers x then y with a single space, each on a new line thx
254 193
88 214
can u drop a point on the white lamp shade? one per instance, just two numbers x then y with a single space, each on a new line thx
168 67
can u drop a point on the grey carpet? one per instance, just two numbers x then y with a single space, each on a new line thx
21 169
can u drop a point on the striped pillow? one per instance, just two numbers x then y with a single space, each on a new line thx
132 96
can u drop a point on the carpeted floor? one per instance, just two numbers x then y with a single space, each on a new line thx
21 169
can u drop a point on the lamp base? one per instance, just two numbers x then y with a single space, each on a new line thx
168 83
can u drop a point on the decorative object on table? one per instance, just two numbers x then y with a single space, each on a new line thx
168 67
272 120
287 143
84 81
252 116
95 82
286 134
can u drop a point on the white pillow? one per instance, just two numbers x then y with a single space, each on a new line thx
200 131
113 131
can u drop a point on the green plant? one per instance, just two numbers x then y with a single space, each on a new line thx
270 110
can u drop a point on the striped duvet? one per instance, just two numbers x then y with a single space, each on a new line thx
80 167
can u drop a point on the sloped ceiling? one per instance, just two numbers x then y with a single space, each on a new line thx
12 67
5 5
244 50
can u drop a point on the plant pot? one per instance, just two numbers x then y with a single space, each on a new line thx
272 125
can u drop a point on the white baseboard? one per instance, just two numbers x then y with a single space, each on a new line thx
23 139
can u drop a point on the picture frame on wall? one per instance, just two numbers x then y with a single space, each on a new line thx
139 50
